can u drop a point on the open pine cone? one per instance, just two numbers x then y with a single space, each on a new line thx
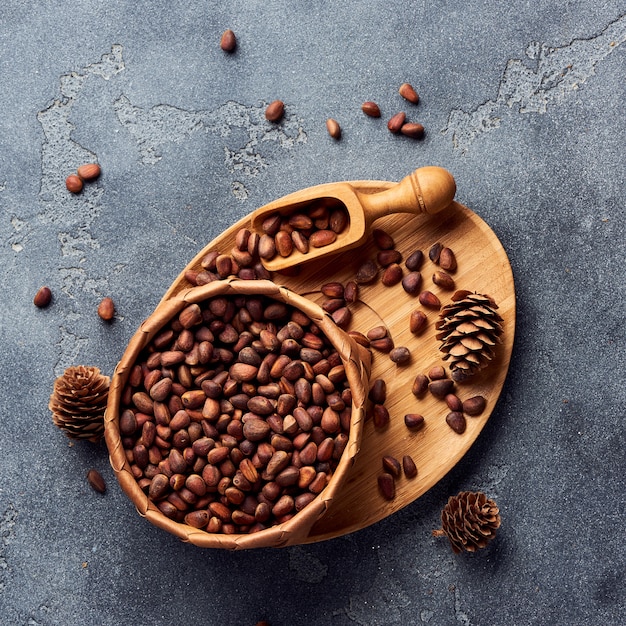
469 521
78 402
469 329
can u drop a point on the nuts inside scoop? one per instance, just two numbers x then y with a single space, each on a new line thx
314 224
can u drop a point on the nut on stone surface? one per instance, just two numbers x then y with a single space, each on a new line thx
43 297
228 41
89 171
95 480
396 122
333 128
371 109
106 309
408 93
275 111
413 130
73 183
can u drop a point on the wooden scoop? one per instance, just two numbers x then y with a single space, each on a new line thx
426 190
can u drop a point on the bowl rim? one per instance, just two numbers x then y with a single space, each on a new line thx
355 358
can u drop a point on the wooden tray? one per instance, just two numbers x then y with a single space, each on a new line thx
483 266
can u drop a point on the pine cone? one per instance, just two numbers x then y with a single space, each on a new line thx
470 328
469 521
78 402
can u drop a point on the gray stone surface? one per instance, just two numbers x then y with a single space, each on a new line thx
522 102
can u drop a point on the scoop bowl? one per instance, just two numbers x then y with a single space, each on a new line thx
426 190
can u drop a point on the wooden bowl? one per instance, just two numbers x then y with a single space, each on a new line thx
295 530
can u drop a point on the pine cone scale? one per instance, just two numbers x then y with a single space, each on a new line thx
469 521
78 402
469 328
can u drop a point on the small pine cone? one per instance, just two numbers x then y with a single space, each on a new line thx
469 329
78 402
469 521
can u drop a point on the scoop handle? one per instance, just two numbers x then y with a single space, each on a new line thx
426 190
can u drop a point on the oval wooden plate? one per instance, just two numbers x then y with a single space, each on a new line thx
484 267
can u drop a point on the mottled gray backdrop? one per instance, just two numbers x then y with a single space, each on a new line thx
522 102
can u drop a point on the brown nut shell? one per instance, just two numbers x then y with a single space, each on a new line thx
228 42
333 128
408 93
396 122
371 109
413 130
106 309
43 297
275 111
89 171
74 183
95 480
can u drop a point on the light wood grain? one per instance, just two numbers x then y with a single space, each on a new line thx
483 266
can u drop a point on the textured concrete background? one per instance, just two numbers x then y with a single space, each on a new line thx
522 102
